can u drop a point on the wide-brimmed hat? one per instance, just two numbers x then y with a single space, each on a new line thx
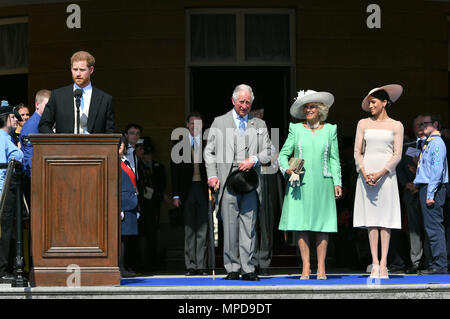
309 96
242 182
393 90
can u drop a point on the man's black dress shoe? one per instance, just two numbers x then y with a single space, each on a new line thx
396 270
250 277
6 278
127 273
232 276
202 272
412 269
264 272
432 271
191 272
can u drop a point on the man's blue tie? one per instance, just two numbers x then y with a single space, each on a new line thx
420 144
241 125
82 100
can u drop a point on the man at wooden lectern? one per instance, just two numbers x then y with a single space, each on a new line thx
96 112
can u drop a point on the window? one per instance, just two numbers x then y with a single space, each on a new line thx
13 46
267 37
240 36
213 37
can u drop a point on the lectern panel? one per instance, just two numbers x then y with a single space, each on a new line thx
75 216
75 205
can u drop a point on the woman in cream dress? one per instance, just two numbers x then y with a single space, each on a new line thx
378 150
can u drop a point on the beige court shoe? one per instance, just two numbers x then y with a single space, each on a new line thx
375 271
305 277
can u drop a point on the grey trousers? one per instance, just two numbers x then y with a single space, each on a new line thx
417 240
239 214
433 220
195 228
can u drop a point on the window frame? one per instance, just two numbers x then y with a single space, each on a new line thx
240 36
14 20
240 45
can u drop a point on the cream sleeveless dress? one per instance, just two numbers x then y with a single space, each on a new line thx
378 145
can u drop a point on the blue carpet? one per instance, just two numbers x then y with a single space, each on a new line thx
287 280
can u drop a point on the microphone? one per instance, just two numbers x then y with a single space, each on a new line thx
77 94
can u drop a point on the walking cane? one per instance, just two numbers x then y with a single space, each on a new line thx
212 254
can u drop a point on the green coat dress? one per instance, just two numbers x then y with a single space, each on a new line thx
312 205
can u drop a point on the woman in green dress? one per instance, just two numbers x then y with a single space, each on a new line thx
310 199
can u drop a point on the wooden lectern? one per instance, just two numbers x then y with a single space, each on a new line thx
75 210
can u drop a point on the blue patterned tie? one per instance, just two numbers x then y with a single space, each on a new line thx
82 100
241 125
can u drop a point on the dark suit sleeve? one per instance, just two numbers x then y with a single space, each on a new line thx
48 117
176 178
162 178
175 171
109 117
401 173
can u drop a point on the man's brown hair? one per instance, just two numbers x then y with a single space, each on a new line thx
83 56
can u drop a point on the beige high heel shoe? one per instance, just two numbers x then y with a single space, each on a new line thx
375 273
321 277
305 277
384 273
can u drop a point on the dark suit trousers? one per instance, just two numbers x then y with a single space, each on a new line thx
265 220
418 242
195 210
447 225
7 230
433 220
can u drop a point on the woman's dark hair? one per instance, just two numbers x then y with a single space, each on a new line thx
124 140
383 96
3 120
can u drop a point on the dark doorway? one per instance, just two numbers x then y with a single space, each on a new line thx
212 87
210 93
14 88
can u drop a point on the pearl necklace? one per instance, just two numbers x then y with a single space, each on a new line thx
314 126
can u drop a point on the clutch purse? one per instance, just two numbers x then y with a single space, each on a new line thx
296 164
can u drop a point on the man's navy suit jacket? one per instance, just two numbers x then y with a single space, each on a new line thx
60 110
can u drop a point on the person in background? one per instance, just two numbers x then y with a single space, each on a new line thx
24 112
190 193
445 135
133 133
271 204
129 213
31 127
406 172
431 177
8 151
152 185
